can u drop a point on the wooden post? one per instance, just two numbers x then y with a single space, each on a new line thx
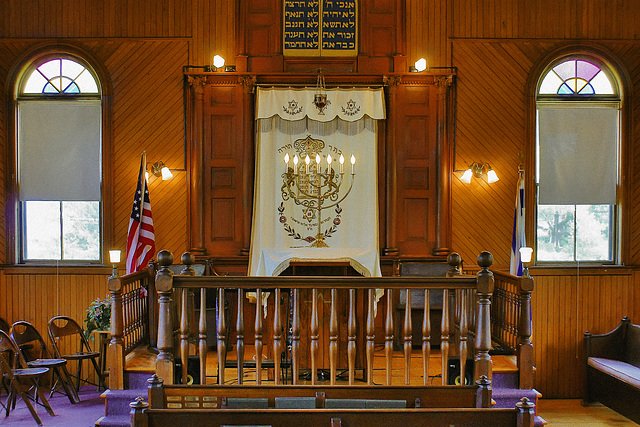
152 304
115 353
485 286
221 336
351 335
258 336
295 338
371 335
426 337
164 286
483 395
525 329
277 336
138 417
444 338
314 335
455 261
240 336
156 394
195 103
333 337
526 413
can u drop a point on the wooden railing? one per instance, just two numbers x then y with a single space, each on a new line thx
466 306
131 312
511 324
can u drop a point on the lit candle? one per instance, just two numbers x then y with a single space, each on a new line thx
341 163
318 163
329 160
353 164
295 163
286 162
307 160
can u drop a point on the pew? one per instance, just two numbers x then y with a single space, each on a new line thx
323 405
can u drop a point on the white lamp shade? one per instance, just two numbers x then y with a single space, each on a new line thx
114 256
525 254
466 176
492 177
421 64
166 173
218 61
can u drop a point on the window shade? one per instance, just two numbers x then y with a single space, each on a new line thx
578 155
59 150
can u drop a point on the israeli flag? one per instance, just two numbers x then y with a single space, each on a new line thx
518 239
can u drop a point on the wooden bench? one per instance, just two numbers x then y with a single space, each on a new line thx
324 405
612 362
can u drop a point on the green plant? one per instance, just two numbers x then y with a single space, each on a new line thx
98 316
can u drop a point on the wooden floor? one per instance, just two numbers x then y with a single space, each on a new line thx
557 412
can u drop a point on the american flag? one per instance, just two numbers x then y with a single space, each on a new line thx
141 240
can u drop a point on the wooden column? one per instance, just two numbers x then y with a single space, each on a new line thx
391 244
443 168
248 164
115 354
164 285
195 104
388 339
525 329
485 286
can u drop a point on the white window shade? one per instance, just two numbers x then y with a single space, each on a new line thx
59 150
578 155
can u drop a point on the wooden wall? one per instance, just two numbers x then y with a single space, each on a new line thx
496 45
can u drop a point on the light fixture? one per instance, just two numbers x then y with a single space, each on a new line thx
320 97
525 258
478 170
114 258
217 62
159 169
419 66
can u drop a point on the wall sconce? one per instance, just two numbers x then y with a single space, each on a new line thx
525 257
478 170
114 258
159 169
419 66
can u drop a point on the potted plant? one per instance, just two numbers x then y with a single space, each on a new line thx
98 316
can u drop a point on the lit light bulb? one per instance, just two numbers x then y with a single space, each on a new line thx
421 65
466 177
353 164
492 177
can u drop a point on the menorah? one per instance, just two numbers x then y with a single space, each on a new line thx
315 187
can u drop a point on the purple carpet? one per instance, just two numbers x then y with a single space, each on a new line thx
83 414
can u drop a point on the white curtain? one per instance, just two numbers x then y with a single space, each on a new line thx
281 231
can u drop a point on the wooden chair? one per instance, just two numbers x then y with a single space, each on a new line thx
66 329
35 353
21 379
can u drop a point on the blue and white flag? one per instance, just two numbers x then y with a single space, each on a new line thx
518 239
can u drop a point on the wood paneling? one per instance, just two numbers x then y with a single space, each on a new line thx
564 307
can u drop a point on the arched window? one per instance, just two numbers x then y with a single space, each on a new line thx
59 140
577 162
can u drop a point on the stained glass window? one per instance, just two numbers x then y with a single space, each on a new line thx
576 77
61 76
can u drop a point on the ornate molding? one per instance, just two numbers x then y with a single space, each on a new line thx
197 83
391 80
248 82
445 81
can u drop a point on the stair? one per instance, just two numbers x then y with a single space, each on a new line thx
117 401
506 394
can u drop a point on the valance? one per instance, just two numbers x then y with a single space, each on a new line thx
296 104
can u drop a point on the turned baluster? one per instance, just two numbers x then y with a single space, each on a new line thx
485 286
371 335
258 336
295 338
202 327
116 346
184 333
333 337
314 336
464 329
444 338
277 336
240 336
426 338
164 287
222 336
388 339
351 331
407 338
